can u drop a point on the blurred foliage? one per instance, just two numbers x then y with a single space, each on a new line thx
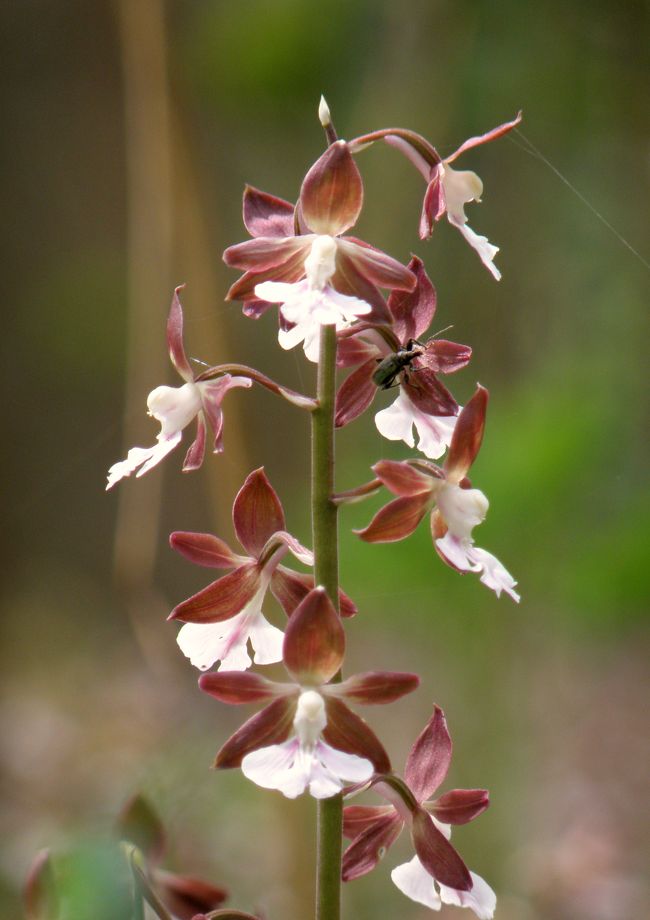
545 701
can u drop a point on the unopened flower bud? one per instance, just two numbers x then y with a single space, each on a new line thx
324 113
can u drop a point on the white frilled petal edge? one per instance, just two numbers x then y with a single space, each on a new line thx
290 768
414 881
226 641
309 308
461 187
435 431
462 554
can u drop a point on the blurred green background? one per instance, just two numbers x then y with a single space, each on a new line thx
130 129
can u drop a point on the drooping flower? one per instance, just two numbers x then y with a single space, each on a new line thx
436 874
176 407
394 356
222 618
456 508
300 259
307 737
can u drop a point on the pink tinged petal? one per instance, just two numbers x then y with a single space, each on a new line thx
185 896
485 249
144 457
444 357
358 818
494 574
455 552
222 599
413 311
402 478
459 806
414 881
289 588
468 436
204 549
266 215
437 855
396 520
237 686
139 823
428 395
175 337
376 687
314 641
39 892
352 350
434 203
348 279
429 758
270 726
265 252
481 899
355 394
290 271
377 267
485 138
410 152
253 309
266 640
346 732
257 512
332 192
212 394
196 453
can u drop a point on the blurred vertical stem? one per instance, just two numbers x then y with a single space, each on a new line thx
325 537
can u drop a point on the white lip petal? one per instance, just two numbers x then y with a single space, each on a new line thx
462 509
434 431
494 574
205 643
414 881
348 767
143 457
396 421
266 640
481 899
174 407
271 767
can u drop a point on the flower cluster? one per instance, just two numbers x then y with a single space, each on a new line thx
351 306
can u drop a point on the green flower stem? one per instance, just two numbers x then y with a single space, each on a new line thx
325 538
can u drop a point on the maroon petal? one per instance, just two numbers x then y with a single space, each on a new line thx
484 138
314 640
377 267
429 395
349 280
175 337
459 806
237 686
413 311
222 599
139 823
352 350
196 453
364 853
265 252
429 758
437 855
291 270
204 549
358 818
402 478
433 206
212 396
346 732
257 512
377 686
445 357
270 726
332 192
289 588
396 520
266 215
355 394
184 896
253 309
467 437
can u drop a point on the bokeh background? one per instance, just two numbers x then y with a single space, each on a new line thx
129 130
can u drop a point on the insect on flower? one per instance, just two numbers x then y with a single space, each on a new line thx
390 367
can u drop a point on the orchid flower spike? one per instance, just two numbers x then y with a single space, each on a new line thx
176 407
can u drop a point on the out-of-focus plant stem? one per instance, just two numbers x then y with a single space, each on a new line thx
325 537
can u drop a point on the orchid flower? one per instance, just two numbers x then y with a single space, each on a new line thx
307 737
176 407
455 507
222 618
317 275
423 402
436 874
